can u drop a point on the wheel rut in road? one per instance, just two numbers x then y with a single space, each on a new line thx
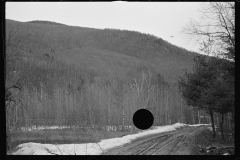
169 143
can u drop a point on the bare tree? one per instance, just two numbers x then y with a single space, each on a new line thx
137 87
118 91
14 80
216 29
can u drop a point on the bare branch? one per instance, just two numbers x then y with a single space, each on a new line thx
218 24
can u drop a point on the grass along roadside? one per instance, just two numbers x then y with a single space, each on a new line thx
205 145
64 136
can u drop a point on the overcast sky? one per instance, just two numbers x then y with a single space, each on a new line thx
162 19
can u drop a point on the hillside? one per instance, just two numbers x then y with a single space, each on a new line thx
78 76
104 51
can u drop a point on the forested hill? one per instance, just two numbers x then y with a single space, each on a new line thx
107 52
83 76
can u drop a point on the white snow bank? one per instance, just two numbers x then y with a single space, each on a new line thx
90 148
196 125
39 128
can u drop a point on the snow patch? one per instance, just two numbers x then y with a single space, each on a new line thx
210 128
196 125
226 154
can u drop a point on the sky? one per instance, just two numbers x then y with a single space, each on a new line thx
162 19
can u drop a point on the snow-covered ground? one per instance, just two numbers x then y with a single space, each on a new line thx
39 128
90 148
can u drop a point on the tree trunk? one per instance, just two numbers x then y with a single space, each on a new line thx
193 117
213 127
229 123
181 110
221 125
8 138
123 120
199 121
233 123
8 135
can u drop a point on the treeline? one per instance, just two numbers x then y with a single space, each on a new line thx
210 85
56 94
45 22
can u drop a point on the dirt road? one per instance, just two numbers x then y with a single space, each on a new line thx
178 142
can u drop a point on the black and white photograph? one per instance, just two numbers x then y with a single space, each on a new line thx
119 78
